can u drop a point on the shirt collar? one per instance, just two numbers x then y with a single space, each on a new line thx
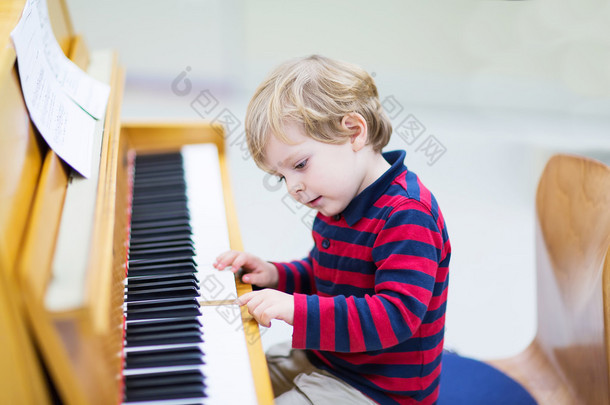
357 208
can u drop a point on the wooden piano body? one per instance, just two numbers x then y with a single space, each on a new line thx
74 354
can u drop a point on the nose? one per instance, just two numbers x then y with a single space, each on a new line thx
295 187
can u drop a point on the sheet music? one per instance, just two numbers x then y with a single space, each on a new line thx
64 125
90 94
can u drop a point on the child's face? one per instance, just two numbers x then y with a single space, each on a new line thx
323 176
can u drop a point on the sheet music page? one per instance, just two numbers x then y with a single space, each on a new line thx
66 127
90 94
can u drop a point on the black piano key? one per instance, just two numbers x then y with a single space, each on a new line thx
173 251
194 390
160 223
171 175
163 180
158 157
157 167
156 283
185 242
163 260
164 357
159 270
163 231
180 277
138 241
163 378
167 308
161 293
168 312
162 303
190 335
158 197
159 215
158 190
160 325
157 327
154 207
170 252
135 263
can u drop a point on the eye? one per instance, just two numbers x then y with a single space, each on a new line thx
280 179
301 164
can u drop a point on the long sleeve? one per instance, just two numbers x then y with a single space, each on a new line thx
296 276
407 252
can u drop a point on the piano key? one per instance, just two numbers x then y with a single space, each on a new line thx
135 286
160 215
161 325
161 252
158 189
164 357
157 223
155 207
160 180
160 293
162 231
163 378
135 263
168 198
137 241
142 159
161 263
172 307
162 269
194 390
165 243
137 280
186 335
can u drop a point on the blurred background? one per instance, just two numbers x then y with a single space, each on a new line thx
480 93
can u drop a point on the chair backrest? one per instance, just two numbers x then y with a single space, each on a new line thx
573 273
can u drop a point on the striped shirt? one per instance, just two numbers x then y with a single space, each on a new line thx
370 298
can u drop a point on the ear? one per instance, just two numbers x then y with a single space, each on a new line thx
356 125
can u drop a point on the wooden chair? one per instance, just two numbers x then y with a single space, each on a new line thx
568 361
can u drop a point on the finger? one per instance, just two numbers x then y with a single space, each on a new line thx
244 299
223 255
263 313
226 259
254 278
219 263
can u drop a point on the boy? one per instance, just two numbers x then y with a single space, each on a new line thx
368 302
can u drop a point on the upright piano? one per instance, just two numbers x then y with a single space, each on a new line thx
107 294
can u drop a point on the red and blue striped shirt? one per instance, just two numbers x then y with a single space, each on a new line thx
370 297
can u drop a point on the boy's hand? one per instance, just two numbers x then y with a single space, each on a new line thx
258 271
267 304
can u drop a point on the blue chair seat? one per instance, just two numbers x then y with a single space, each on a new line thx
472 382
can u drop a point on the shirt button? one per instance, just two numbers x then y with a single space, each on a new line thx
337 217
325 243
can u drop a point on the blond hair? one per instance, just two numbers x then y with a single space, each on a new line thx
316 92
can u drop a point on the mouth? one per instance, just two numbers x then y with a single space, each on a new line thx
314 202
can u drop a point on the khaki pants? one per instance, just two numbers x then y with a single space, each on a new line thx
296 381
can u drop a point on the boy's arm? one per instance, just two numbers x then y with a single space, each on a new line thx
411 256
296 276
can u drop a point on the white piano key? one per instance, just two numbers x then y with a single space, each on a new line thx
206 201
226 355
